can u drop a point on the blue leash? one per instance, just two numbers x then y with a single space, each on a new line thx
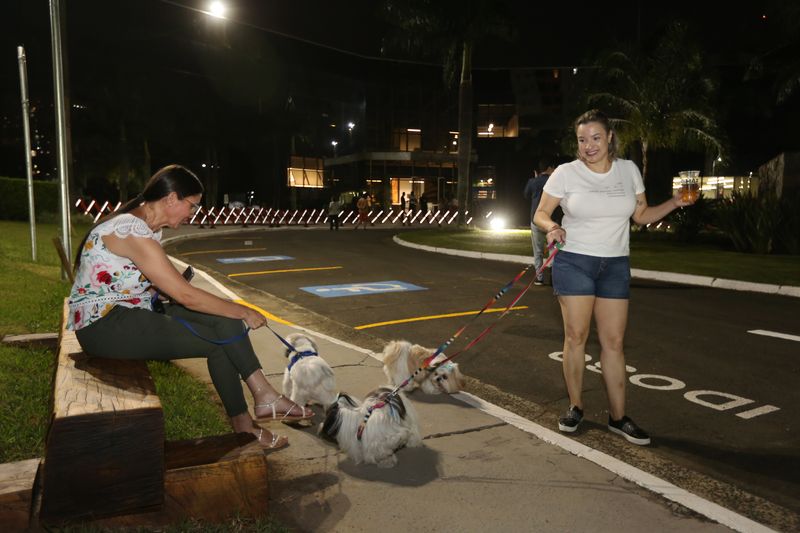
298 355
218 342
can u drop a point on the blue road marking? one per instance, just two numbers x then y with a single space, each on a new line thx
253 259
358 289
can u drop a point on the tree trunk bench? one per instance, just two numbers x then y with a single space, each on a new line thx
106 460
104 453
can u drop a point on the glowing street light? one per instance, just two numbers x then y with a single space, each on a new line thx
217 9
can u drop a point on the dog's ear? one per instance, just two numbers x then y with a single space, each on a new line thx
330 427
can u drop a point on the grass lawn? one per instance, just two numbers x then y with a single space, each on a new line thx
32 301
648 251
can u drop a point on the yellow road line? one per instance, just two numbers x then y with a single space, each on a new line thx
267 314
281 271
434 317
223 251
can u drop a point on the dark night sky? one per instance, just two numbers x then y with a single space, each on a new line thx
102 33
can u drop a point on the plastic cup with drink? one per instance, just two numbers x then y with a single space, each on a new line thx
690 185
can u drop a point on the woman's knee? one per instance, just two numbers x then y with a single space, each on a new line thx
575 337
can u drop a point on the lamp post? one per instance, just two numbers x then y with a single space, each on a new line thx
62 129
26 128
334 144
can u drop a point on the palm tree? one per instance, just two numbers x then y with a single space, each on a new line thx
660 100
780 57
451 28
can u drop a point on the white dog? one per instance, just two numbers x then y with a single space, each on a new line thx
389 427
401 359
308 378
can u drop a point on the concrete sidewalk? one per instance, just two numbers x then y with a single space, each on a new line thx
480 467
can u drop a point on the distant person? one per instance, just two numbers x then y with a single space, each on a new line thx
118 265
423 204
599 194
533 192
363 211
334 209
412 204
403 209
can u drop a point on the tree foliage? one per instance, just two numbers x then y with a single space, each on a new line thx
660 99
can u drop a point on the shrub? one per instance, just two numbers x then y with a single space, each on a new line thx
690 221
14 199
751 222
787 238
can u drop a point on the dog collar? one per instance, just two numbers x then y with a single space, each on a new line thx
299 355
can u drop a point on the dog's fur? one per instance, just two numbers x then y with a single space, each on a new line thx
401 359
388 429
311 379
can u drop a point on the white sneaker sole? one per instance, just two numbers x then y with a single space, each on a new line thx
634 440
568 429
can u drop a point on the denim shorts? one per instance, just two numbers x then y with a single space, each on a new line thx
587 275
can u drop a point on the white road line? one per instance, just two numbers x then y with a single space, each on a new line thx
768 333
650 482
758 411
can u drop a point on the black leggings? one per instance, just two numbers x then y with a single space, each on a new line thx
126 333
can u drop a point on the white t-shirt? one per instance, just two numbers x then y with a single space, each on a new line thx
597 207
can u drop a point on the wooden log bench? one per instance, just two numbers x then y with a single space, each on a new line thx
106 456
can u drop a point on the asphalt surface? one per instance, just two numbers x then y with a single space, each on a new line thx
694 366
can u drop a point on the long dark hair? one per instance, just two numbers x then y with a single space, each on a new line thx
595 115
171 178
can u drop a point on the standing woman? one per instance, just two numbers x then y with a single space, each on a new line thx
599 194
119 264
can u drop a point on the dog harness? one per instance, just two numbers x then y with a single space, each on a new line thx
300 355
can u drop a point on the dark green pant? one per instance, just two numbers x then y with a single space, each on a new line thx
126 333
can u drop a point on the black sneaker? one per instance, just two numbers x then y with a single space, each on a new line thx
538 281
628 429
571 420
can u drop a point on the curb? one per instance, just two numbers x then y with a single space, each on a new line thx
673 277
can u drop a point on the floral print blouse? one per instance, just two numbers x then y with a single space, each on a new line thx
105 279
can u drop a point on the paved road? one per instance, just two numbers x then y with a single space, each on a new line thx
694 366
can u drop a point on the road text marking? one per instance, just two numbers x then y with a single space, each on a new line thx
357 289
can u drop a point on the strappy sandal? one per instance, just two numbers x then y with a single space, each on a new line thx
283 417
276 443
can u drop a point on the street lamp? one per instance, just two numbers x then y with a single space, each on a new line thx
334 143
714 165
217 9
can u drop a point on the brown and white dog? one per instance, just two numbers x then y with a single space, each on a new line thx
401 359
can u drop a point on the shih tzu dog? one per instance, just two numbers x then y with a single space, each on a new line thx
392 425
308 378
401 359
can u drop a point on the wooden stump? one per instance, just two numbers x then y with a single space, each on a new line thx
16 493
104 453
208 479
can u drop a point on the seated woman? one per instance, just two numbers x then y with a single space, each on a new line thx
117 266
